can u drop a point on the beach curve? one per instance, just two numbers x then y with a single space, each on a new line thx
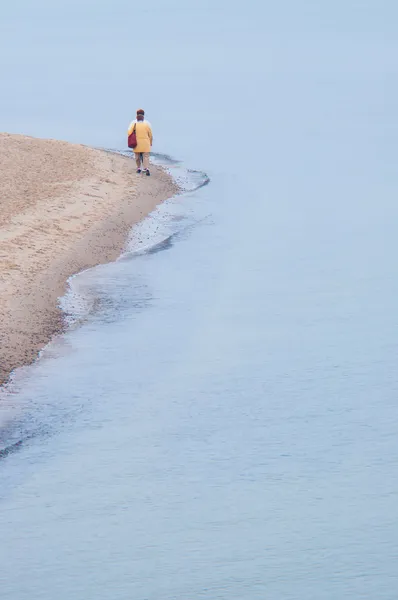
65 208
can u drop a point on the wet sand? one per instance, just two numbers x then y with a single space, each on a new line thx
64 208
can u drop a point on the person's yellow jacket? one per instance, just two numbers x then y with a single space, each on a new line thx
143 132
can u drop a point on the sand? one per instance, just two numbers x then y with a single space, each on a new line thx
64 208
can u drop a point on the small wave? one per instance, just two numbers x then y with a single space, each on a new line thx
18 431
165 158
11 449
164 244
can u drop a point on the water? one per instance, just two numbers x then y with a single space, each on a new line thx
223 423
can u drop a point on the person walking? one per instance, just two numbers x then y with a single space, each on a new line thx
143 132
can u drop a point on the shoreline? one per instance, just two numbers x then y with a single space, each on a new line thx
65 208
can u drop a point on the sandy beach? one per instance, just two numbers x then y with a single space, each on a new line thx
64 208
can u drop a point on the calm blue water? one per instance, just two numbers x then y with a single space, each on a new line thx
223 424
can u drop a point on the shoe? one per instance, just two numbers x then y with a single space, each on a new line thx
138 170
148 173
